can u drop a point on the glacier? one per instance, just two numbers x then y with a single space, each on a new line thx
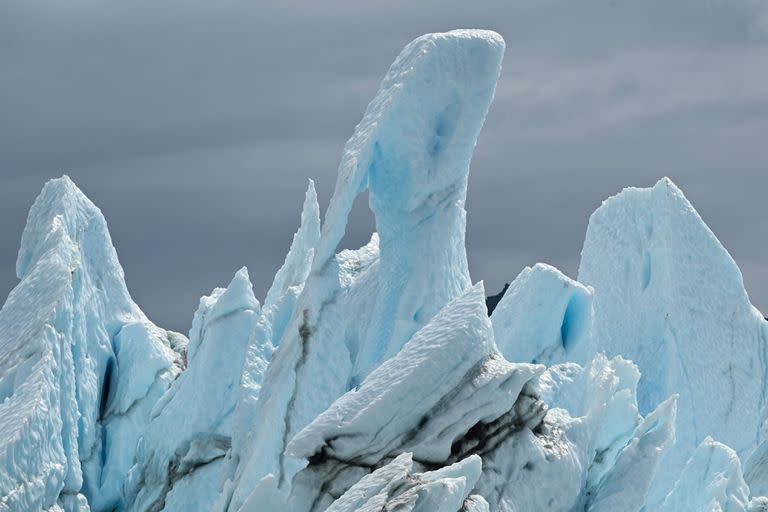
374 378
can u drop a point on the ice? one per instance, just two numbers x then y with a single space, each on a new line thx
191 427
412 151
452 361
71 341
375 489
588 435
756 469
626 485
670 297
373 379
471 402
295 269
544 317
712 482
277 311
196 491
395 487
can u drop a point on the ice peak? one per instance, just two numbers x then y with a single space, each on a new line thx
669 189
422 163
89 333
648 250
60 205
238 296
62 219
310 210
297 263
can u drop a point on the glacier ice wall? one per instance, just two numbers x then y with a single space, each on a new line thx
670 297
373 379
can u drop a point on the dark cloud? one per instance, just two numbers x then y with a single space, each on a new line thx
194 125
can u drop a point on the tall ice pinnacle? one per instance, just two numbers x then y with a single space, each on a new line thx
81 363
412 151
670 297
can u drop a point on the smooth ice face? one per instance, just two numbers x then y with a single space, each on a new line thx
669 297
544 317
81 364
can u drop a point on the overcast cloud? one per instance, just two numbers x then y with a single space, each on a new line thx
194 125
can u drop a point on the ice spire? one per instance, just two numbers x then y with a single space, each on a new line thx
670 297
297 263
412 150
277 311
87 331
192 425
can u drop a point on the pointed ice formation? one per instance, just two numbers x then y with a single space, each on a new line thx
358 308
712 482
191 427
295 269
276 313
80 364
670 297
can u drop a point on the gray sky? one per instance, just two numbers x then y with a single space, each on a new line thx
194 125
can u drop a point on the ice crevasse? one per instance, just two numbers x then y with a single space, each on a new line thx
374 379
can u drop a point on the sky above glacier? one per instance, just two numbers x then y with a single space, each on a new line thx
195 125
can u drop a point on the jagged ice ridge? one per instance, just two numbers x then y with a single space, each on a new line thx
374 379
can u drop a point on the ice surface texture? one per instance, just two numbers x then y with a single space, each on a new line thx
373 379
80 365
669 297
